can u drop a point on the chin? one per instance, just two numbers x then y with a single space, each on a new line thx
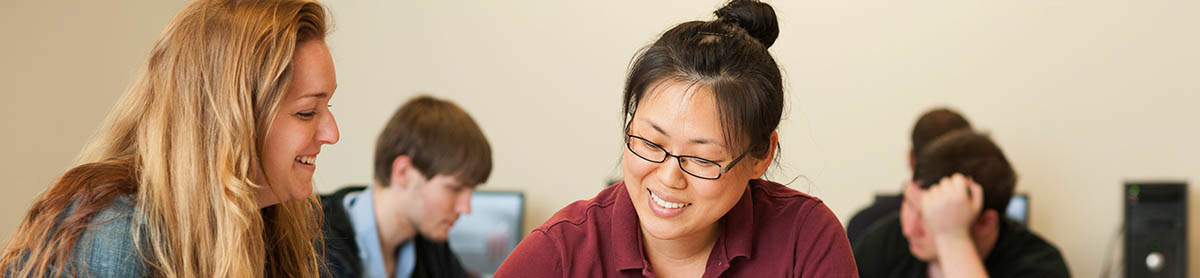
661 228
301 190
299 197
291 195
664 234
438 237
922 254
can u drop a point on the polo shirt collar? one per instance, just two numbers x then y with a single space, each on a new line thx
626 232
739 231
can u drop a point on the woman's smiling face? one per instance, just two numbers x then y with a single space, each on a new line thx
683 119
302 124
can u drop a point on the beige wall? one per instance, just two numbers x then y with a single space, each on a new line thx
62 65
1081 94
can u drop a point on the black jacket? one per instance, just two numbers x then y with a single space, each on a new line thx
341 249
883 251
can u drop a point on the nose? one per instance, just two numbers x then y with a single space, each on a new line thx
463 206
327 132
669 174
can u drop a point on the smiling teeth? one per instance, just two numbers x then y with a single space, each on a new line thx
666 204
307 159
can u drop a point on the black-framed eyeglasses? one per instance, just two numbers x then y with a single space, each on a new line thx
693 165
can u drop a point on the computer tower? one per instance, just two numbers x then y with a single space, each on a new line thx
1156 229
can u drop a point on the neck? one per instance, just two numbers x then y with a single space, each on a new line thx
681 256
393 228
935 270
265 198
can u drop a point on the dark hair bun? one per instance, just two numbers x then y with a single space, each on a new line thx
756 17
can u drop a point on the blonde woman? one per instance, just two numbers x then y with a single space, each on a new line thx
204 167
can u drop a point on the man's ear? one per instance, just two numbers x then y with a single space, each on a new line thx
400 173
988 222
761 165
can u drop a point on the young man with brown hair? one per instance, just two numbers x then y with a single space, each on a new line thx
950 223
929 126
428 160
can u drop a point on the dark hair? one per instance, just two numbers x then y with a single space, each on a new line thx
935 123
727 55
439 137
974 155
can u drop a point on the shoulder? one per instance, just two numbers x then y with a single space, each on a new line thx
1022 252
333 201
538 255
339 247
552 246
820 248
332 207
885 230
773 200
881 246
583 212
107 248
337 224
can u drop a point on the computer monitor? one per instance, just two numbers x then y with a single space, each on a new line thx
483 238
1018 209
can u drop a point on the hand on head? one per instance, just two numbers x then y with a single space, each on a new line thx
950 207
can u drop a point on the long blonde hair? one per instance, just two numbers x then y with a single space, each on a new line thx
185 141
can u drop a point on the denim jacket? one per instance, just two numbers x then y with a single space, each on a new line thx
106 247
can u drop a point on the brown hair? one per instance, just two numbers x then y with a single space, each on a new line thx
441 139
935 123
972 154
185 142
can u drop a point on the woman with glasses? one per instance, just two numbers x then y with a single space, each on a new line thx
702 105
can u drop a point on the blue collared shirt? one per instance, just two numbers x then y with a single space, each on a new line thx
361 208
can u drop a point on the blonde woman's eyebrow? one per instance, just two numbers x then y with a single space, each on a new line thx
320 95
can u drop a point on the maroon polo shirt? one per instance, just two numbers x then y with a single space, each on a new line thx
773 231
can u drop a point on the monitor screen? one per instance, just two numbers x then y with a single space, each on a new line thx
1018 209
483 238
